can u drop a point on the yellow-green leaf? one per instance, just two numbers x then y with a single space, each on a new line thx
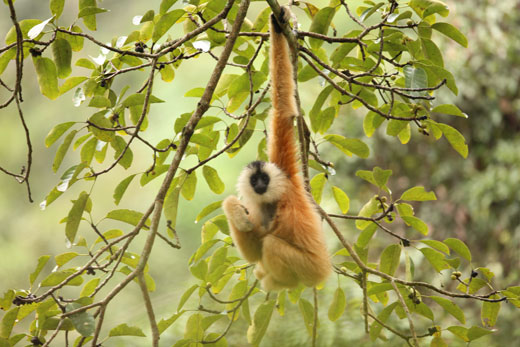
213 180
341 198
74 216
62 53
317 183
450 307
459 247
389 261
418 194
165 22
261 320
47 77
338 304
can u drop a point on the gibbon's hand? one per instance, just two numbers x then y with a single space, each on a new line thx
237 214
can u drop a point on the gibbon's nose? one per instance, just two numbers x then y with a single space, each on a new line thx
260 188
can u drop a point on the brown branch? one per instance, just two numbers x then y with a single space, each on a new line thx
407 312
149 309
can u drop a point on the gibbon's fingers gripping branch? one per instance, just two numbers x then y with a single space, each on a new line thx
276 225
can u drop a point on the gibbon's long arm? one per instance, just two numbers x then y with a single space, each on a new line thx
282 144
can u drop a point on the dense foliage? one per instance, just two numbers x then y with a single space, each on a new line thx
385 65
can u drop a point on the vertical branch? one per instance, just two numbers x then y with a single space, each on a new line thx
407 311
149 309
17 93
365 298
315 323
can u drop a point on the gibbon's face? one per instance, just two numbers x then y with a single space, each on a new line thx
262 182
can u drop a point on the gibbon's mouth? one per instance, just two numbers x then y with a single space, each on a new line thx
260 189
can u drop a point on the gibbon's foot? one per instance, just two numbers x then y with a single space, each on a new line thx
259 271
237 214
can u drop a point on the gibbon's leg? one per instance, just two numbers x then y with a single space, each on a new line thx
282 263
259 271
242 229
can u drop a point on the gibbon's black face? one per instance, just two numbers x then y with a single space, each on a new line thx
259 180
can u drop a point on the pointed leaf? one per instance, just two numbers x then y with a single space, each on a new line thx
74 216
317 184
450 307
459 247
47 77
62 53
213 180
418 194
83 322
165 22
451 32
389 261
41 263
261 320
338 304
455 139
342 199
125 330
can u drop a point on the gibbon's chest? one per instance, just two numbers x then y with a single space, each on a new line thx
268 213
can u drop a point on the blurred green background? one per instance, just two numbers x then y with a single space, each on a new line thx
478 198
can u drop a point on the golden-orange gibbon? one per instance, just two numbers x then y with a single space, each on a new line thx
275 224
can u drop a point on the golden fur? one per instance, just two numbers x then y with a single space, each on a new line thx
279 230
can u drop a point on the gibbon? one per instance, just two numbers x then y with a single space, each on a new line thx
276 225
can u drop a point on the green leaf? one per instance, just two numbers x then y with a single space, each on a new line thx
342 199
83 322
89 287
450 307
56 7
375 328
338 304
165 22
56 132
74 216
90 11
365 236
125 330
99 120
455 139
460 332
437 245
8 321
435 258
349 146
449 109
58 277
418 194
489 313
214 182
64 258
389 261
186 296
127 216
121 188
203 249
371 207
416 223
415 77
120 145
138 100
199 270
189 186
477 332
437 341
41 263
165 5
166 323
451 32
62 150
261 320
62 53
47 77
381 176
320 24
307 311
171 203
317 183
25 26
459 247
369 11
208 209
70 83
110 234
